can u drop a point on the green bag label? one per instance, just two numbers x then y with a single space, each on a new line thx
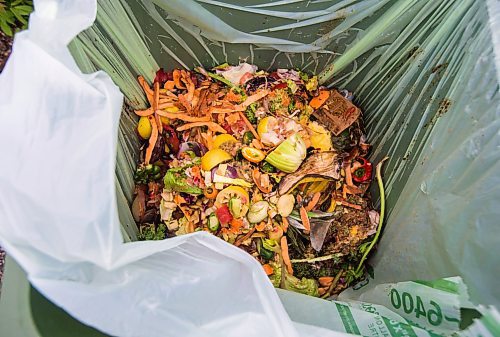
434 306
347 319
405 309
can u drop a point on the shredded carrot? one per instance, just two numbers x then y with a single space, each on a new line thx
232 118
348 204
195 102
261 226
245 237
152 140
268 269
254 98
211 125
344 191
231 96
159 123
185 103
144 113
249 125
215 110
313 202
190 227
190 93
325 281
257 144
305 218
179 199
236 225
210 193
348 176
163 105
208 140
147 89
164 98
319 100
352 190
145 86
177 79
285 224
169 95
284 254
182 116
169 85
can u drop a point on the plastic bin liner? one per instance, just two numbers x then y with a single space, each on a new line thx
424 73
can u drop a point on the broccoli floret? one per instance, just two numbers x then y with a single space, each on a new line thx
250 113
145 174
304 285
315 270
152 232
276 275
266 167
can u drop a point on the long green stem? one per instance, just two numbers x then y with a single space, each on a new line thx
225 81
382 213
317 259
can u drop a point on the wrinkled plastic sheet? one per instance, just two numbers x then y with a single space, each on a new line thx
423 72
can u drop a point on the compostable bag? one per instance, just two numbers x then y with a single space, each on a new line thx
422 71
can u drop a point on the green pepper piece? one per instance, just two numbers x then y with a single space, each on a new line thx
266 167
266 254
213 222
248 137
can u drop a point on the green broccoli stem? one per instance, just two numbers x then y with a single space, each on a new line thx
382 213
226 82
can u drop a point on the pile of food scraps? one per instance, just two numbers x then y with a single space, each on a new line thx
269 162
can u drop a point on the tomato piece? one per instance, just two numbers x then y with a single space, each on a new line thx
224 215
282 85
171 138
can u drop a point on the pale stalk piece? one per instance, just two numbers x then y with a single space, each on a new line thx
382 213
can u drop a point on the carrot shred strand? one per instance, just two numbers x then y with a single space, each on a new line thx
152 140
305 219
284 254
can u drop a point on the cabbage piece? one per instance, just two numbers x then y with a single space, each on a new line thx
275 278
304 285
231 181
235 73
176 180
288 156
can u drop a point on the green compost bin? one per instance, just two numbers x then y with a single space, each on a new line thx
423 73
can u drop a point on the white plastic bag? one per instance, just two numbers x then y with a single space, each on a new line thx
58 207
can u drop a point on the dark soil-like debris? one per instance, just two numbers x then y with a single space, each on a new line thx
5 48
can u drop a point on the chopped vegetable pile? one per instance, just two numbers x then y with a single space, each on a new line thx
269 162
